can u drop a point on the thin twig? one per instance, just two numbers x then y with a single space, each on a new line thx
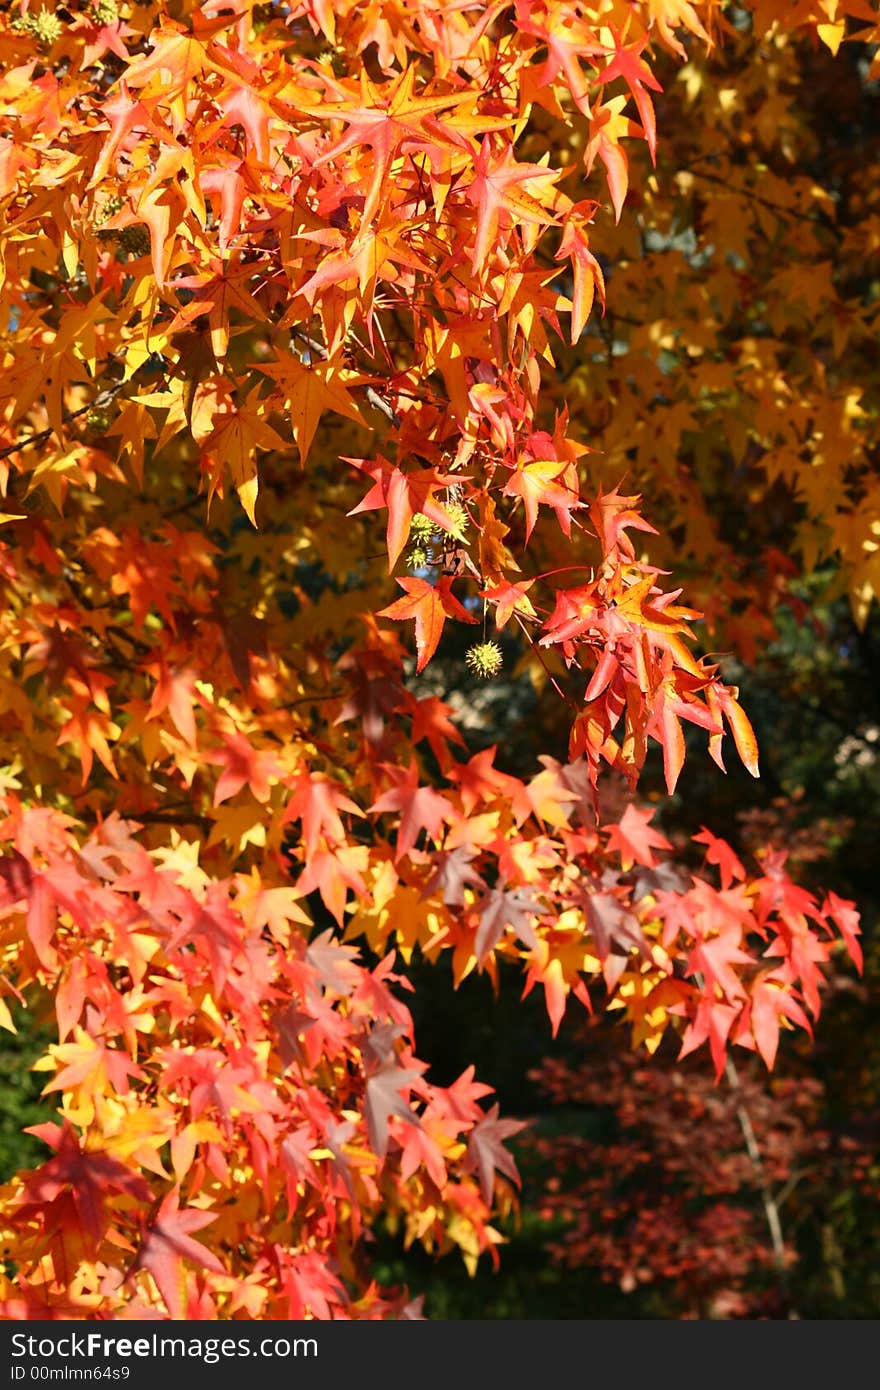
103 398
771 1206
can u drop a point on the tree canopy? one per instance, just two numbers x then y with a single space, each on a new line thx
358 359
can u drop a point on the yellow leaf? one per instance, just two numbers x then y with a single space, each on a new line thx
832 35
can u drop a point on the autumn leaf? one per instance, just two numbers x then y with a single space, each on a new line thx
428 605
496 193
420 807
544 482
308 389
384 1098
719 852
501 909
167 1242
404 494
634 838
91 1177
487 1152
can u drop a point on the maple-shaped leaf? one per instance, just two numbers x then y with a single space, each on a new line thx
309 390
317 802
232 445
404 494
291 1024
495 193
242 766
612 514
719 852
613 923
495 557
383 1097
309 1284
174 692
421 808
384 118
430 720
452 874
714 958
568 40
586 270
378 1045
487 1153
628 64
502 908
723 699
177 58
509 599
846 917
91 1177
167 1243
428 605
772 1005
460 1099
333 872
479 780
635 839
711 1023
334 963
545 482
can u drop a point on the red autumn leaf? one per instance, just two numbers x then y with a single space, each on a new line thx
487 1152
167 1243
771 1002
495 192
719 852
403 494
845 916
428 605
509 599
91 1177
628 64
420 808
635 839
317 801
500 909
544 482
384 1098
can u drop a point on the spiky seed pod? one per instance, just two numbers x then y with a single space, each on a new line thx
418 557
105 11
47 27
484 659
421 527
110 209
459 518
135 240
98 421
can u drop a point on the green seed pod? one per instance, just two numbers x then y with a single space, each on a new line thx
98 421
421 527
47 27
485 659
109 209
105 11
459 518
418 557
